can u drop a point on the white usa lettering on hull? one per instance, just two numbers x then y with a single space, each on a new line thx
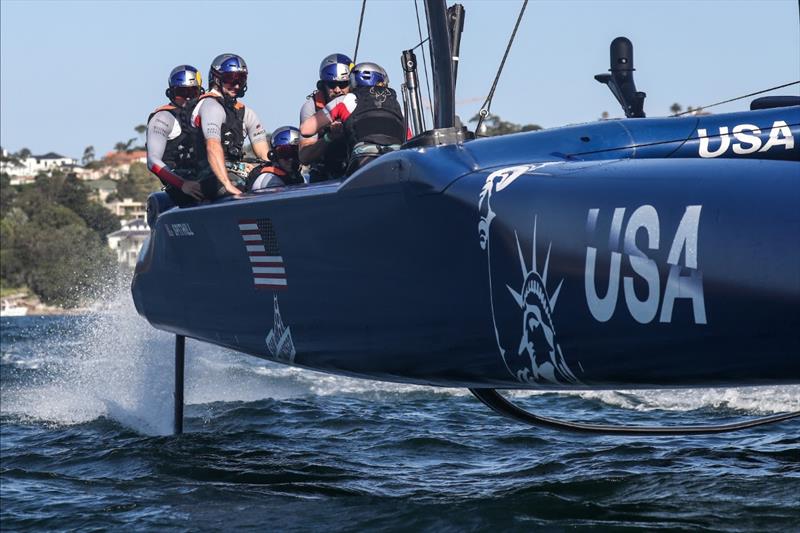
748 140
679 285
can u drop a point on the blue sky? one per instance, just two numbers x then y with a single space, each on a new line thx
86 73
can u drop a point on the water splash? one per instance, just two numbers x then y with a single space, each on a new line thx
112 363
756 400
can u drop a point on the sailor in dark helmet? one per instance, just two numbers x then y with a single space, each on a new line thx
283 167
170 153
326 152
220 123
372 117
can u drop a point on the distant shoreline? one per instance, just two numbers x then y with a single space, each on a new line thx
36 308
52 312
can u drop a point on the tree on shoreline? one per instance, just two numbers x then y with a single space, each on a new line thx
88 155
52 239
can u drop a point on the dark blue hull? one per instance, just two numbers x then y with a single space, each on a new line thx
533 260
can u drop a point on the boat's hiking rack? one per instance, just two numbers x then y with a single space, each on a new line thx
498 403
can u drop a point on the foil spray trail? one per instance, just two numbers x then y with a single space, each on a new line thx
111 363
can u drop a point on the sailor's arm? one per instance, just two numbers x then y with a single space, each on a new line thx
261 149
334 114
311 149
158 133
314 123
256 134
312 146
216 160
212 116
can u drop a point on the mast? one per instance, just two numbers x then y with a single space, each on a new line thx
447 129
444 105
455 17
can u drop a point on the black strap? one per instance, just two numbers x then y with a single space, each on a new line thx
493 399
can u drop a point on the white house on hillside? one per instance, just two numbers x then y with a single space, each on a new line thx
128 209
33 165
128 241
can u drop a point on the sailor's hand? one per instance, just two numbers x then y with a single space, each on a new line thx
193 189
336 130
232 189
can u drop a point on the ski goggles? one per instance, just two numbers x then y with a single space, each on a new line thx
234 78
285 151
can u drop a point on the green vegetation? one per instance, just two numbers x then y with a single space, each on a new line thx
137 184
493 125
52 239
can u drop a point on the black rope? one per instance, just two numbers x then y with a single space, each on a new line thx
360 22
424 61
487 104
734 99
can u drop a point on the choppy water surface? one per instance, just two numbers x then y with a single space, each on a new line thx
87 412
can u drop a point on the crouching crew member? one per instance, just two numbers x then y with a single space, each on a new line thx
326 152
220 123
372 117
284 166
170 149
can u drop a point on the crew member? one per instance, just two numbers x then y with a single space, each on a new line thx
221 122
170 151
372 117
326 152
284 166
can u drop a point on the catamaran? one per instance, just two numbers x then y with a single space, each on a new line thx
633 253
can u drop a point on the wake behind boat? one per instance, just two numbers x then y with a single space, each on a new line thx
640 253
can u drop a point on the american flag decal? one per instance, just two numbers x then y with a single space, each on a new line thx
261 244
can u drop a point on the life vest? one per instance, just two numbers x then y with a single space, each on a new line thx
232 134
293 178
180 151
377 118
319 100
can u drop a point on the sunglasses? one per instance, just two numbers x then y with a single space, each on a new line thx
339 84
186 92
232 78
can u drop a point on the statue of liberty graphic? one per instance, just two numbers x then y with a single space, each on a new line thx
530 352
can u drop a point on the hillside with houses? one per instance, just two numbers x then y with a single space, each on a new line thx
69 227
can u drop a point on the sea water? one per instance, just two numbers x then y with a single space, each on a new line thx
86 414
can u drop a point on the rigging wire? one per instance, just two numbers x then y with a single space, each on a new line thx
734 99
487 104
360 23
424 61
421 43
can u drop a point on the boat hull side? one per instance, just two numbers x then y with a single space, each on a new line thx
648 273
